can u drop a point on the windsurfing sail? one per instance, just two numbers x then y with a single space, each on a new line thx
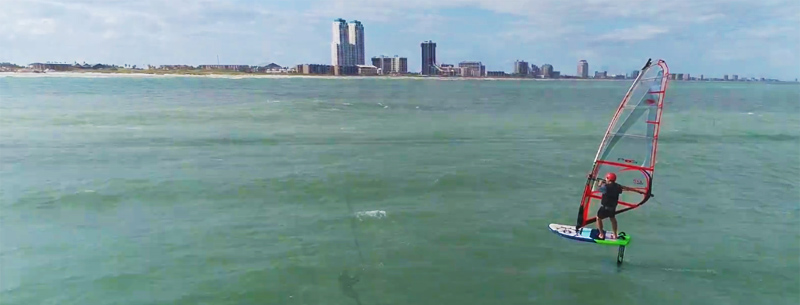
629 146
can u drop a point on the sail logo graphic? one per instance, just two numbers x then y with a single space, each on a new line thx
627 160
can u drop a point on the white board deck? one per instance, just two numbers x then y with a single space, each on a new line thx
587 235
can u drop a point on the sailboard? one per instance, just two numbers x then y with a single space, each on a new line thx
628 149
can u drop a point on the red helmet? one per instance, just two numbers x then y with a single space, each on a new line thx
611 177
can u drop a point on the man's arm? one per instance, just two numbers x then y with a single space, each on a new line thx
630 189
601 184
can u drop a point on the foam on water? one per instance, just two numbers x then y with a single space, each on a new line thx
709 271
377 214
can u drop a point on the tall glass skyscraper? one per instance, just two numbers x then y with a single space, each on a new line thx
347 47
428 58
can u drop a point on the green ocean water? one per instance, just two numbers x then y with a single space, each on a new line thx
239 191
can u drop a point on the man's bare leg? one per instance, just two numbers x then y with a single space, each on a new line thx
614 226
601 234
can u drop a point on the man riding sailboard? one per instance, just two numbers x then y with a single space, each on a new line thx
625 159
608 204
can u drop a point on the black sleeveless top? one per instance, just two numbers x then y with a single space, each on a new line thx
611 192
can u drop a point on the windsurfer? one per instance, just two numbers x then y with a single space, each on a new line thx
608 205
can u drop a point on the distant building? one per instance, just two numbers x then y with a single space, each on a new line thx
399 65
735 77
314 69
521 68
555 74
270 68
54 67
162 67
583 69
535 71
356 36
547 71
345 70
449 70
473 68
725 77
238 68
383 63
679 76
635 74
347 46
391 65
340 45
598 74
273 66
367 70
428 58
496 73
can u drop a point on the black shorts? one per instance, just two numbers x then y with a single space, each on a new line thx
605 212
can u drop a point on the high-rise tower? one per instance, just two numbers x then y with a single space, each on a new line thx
347 47
583 69
356 36
428 58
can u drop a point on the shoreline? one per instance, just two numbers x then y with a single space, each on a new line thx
245 75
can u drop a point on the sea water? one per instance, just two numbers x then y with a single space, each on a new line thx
265 191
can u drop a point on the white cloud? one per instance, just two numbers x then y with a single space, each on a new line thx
586 54
533 31
779 44
709 17
640 32
39 26
425 22
770 31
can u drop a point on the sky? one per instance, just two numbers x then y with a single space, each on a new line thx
712 37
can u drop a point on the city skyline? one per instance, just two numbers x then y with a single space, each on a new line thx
348 58
381 65
695 37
